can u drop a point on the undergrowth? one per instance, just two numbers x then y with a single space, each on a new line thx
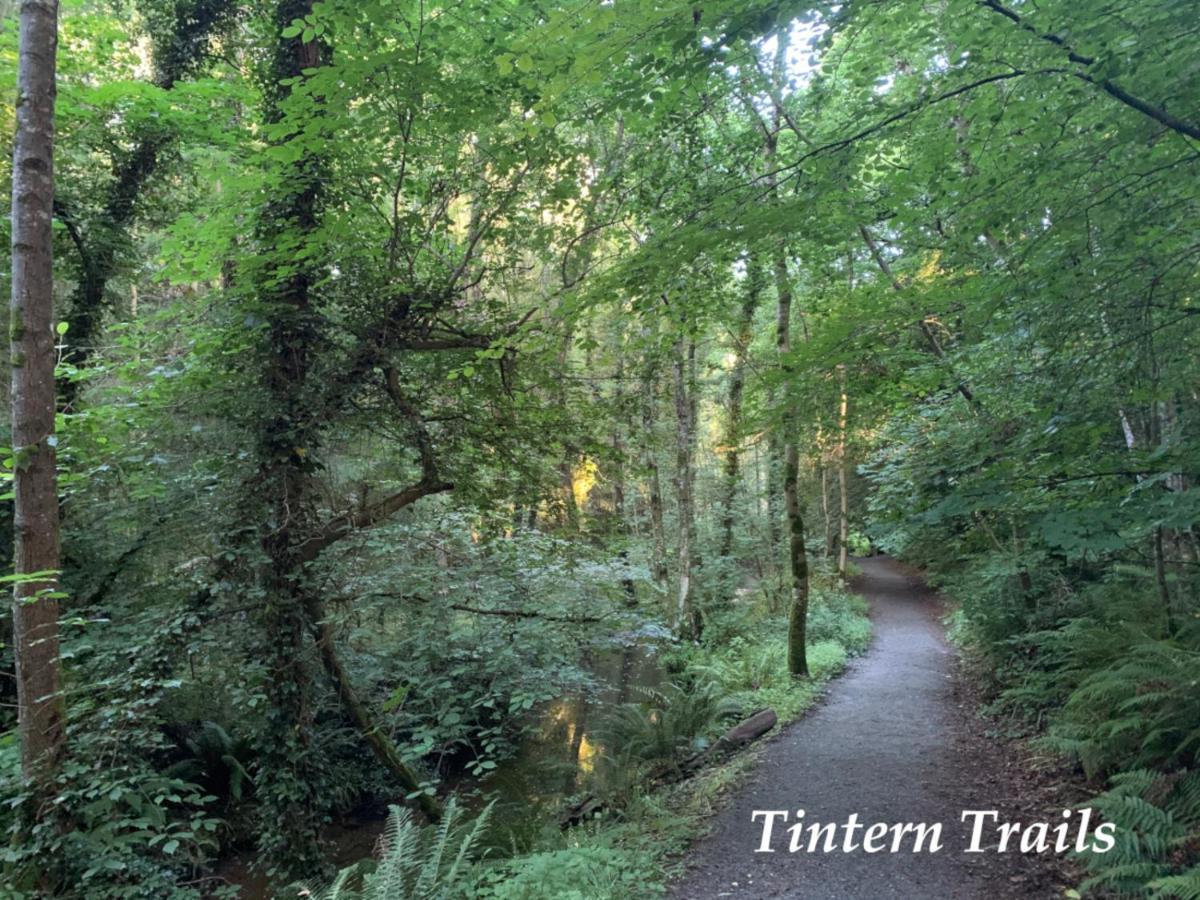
627 849
1107 684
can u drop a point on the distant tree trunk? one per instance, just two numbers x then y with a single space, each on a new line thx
733 432
687 614
566 479
775 452
829 547
569 517
620 500
843 496
618 482
1160 578
40 709
658 560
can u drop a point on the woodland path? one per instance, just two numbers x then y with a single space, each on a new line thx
894 741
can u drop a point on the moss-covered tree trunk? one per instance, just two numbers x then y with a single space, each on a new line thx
177 52
793 510
287 445
797 591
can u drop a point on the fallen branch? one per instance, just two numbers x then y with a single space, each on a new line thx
502 613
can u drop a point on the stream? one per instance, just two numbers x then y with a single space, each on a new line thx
556 759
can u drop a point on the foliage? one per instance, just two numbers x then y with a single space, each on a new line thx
370 437
671 724
1157 816
581 872
415 862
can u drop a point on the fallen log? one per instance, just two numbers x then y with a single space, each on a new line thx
736 738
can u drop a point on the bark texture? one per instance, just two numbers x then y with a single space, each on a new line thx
40 707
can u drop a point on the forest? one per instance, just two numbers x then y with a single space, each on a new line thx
444 433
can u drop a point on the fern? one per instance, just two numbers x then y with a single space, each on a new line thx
1178 887
671 724
415 862
1158 824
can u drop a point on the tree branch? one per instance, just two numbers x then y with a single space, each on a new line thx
1109 87
934 344
913 108
501 613
337 528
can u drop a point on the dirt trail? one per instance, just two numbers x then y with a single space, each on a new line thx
893 742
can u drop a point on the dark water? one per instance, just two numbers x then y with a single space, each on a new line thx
561 756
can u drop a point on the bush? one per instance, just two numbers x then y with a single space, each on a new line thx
839 616
573 873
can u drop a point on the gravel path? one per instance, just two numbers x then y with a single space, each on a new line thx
893 742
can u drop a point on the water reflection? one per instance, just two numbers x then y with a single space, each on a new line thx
569 738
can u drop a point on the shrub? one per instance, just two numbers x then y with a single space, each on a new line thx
573 873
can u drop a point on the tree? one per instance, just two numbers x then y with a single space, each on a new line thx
180 38
41 708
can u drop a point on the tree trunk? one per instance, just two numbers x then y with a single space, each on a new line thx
658 561
40 708
843 496
826 509
381 745
775 450
569 511
733 431
288 443
797 554
620 496
176 54
687 617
